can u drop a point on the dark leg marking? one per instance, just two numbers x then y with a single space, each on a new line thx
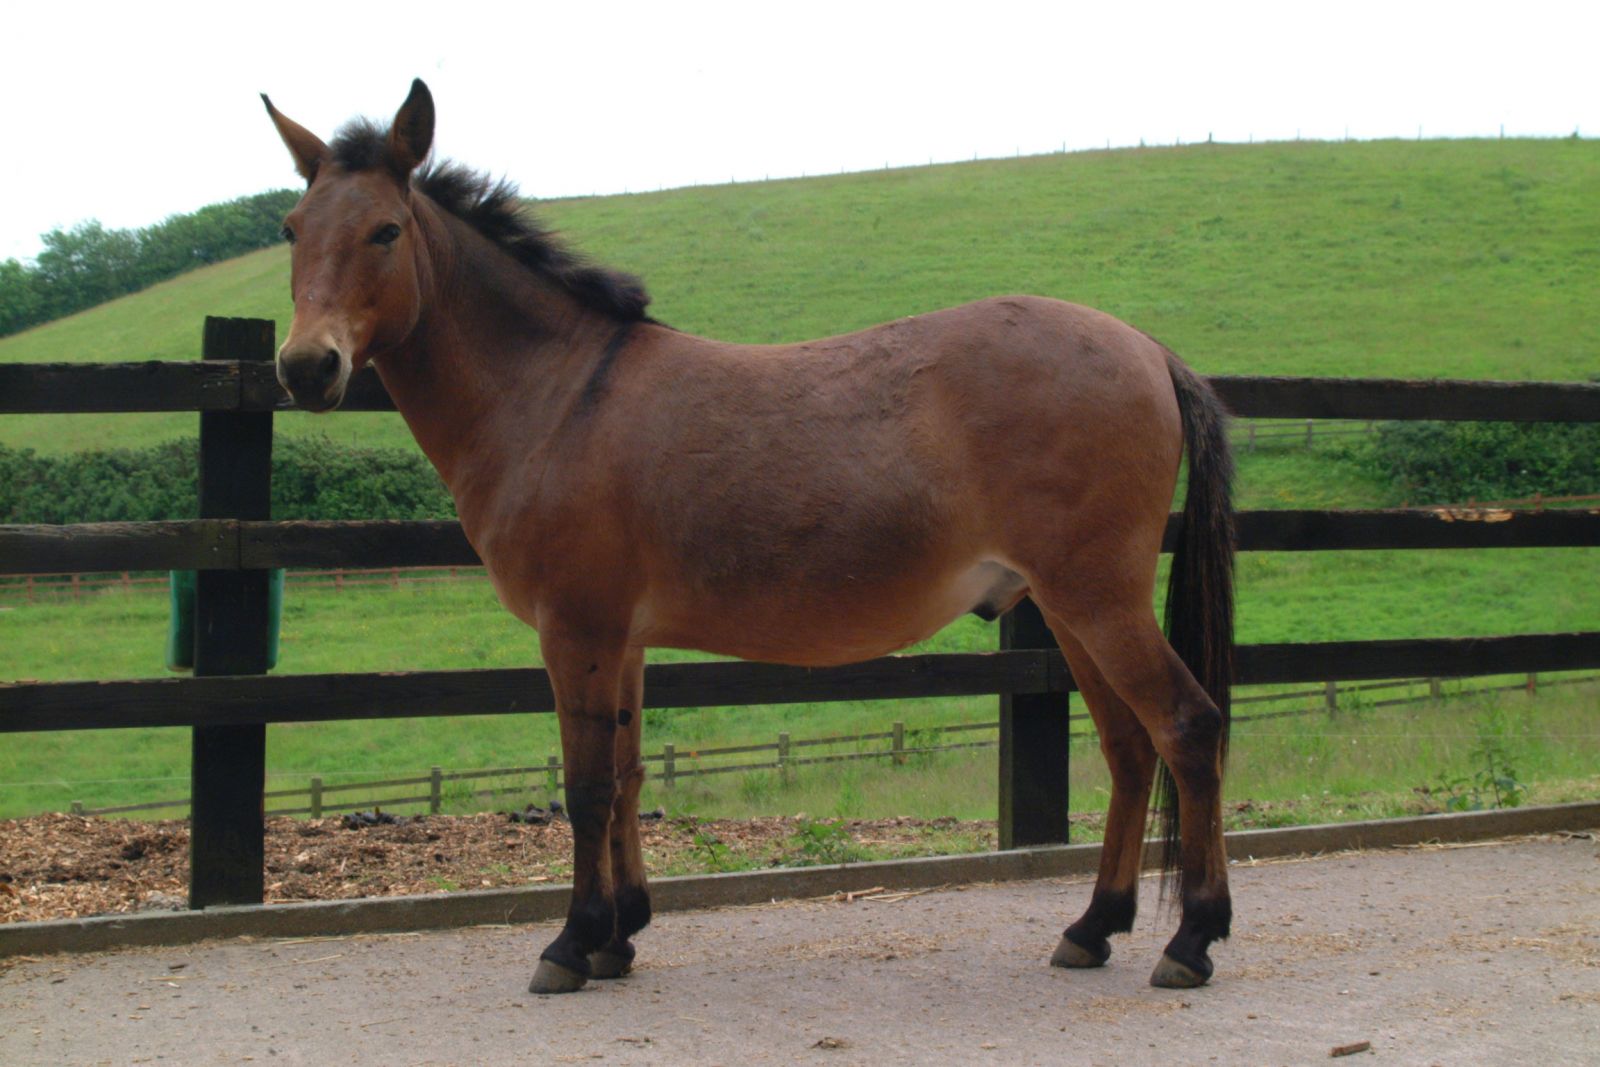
592 917
1204 921
615 958
1109 912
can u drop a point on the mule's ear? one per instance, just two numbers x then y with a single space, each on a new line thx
306 147
412 133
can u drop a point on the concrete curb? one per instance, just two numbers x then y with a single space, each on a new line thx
549 903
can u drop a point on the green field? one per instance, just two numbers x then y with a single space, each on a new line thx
1283 597
1466 259
1471 259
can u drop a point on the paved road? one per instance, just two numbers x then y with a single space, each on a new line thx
1467 955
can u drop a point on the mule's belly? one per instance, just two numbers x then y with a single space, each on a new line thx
826 624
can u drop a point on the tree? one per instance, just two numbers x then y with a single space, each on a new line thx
20 305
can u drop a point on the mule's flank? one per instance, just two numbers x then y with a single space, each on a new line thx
1199 607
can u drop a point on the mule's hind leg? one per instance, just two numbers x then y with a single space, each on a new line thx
632 896
1132 761
1121 636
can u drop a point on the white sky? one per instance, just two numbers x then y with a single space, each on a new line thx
131 112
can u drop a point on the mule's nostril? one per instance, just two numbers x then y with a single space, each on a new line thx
330 363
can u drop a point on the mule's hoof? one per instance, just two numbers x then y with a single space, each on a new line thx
603 963
554 978
1071 954
1170 974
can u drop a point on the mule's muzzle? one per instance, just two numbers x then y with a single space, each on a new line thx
314 377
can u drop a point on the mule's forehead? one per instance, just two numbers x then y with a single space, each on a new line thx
341 196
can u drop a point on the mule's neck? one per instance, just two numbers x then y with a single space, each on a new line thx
495 345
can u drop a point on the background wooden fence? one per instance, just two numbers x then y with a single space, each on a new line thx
45 588
229 701
674 763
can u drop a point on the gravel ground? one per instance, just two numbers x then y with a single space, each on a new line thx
1442 955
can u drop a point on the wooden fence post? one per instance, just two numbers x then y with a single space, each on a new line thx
1035 736
669 764
783 758
552 772
899 743
1330 698
228 763
316 797
77 807
1435 689
435 790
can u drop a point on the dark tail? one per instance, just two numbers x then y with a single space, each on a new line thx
1199 613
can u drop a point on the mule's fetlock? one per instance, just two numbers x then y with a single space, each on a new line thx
591 923
633 910
1210 918
563 966
1085 943
1110 911
1185 963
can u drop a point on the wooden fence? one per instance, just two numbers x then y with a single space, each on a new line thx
229 701
47 588
674 763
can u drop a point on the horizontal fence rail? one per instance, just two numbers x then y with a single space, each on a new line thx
226 544
673 763
240 700
48 587
225 385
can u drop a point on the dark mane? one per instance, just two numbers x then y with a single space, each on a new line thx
495 210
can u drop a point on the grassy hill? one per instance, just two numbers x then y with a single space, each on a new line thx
1465 258
1436 258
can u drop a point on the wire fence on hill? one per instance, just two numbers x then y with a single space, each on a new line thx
898 744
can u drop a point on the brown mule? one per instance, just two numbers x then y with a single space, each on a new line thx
630 486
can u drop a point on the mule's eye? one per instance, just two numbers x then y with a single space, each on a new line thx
287 234
386 235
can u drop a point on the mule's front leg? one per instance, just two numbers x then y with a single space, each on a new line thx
586 681
632 895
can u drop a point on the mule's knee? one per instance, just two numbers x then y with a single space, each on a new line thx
1192 745
1199 725
589 805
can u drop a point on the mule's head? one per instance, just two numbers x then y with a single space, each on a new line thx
356 268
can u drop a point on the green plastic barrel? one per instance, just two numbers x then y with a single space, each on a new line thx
180 621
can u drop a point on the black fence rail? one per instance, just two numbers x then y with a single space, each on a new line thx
674 763
231 699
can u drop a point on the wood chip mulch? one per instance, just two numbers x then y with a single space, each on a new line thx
64 866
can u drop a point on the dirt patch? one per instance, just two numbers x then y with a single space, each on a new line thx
67 866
